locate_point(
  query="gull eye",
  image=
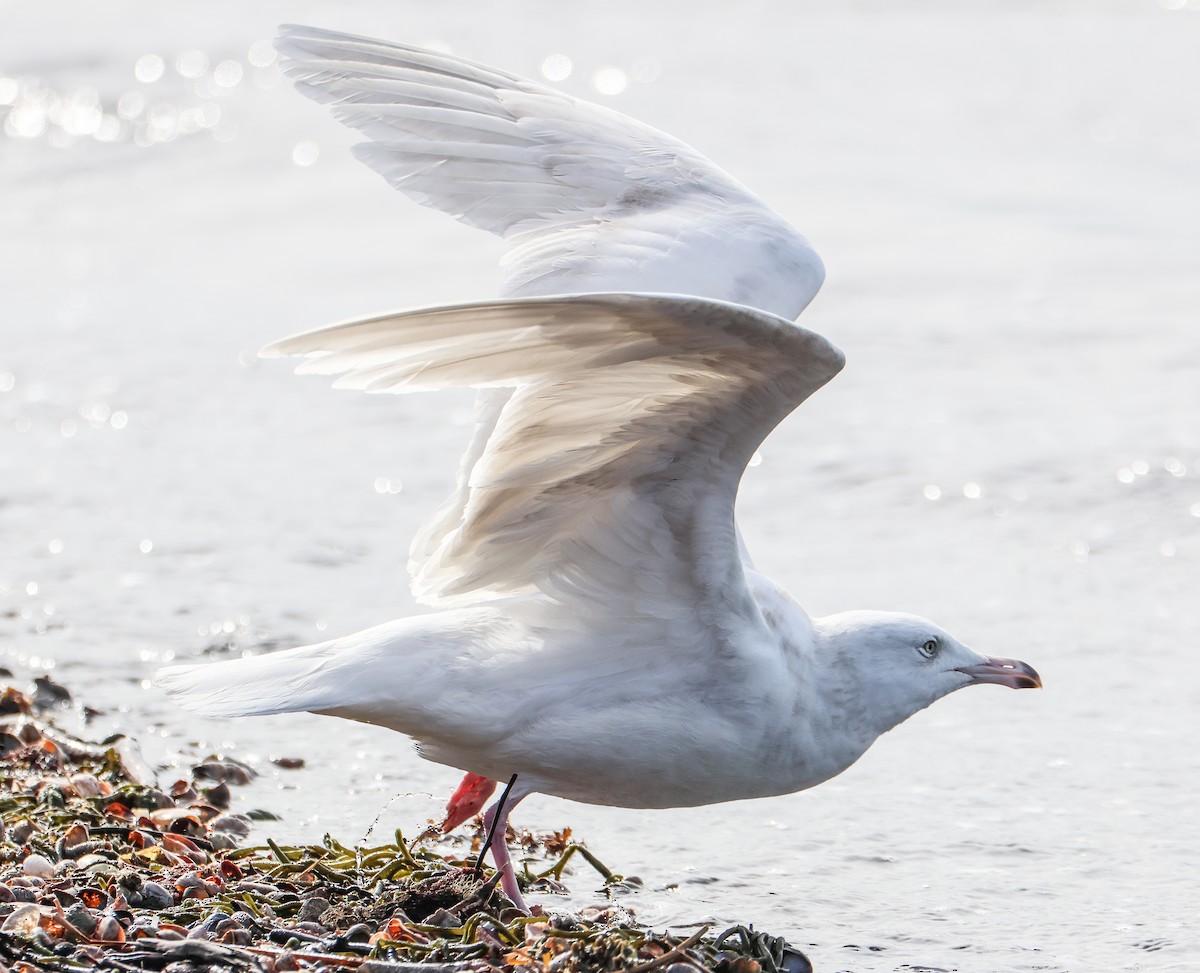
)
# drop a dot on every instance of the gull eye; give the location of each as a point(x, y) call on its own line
point(929, 648)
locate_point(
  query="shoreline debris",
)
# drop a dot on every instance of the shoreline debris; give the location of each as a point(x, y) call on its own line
point(100, 869)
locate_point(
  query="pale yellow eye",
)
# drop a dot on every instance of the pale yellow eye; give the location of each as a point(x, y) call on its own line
point(929, 649)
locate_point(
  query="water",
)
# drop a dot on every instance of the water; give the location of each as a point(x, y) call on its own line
point(1005, 196)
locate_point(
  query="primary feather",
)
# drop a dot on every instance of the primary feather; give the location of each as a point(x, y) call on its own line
point(586, 199)
point(624, 405)
point(593, 592)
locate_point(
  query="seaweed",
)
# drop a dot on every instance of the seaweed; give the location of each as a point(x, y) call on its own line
point(100, 869)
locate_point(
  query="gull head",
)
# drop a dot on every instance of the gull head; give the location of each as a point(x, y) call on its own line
point(894, 665)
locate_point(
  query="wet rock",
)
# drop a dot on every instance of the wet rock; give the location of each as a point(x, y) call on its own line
point(285, 962)
point(236, 936)
point(48, 694)
point(218, 796)
point(217, 769)
point(313, 908)
point(795, 961)
point(153, 896)
point(162, 801)
point(19, 833)
point(38, 865)
point(9, 743)
point(210, 924)
point(234, 824)
point(13, 702)
point(358, 933)
point(246, 920)
point(110, 930)
point(80, 916)
point(139, 870)
point(22, 921)
point(88, 785)
point(443, 918)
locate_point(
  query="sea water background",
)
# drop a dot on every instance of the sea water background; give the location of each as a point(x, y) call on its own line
point(1006, 197)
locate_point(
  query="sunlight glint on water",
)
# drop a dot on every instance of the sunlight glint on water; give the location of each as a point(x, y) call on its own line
point(1005, 199)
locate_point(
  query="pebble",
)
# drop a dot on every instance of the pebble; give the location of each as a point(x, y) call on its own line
point(37, 865)
point(118, 880)
point(80, 916)
point(235, 824)
point(22, 921)
point(174, 935)
point(219, 769)
point(218, 796)
point(237, 936)
point(20, 832)
point(313, 908)
point(87, 785)
point(154, 896)
point(110, 930)
point(48, 693)
point(246, 920)
point(444, 918)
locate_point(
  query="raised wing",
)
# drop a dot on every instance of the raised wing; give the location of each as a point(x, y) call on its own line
point(586, 198)
point(610, 472)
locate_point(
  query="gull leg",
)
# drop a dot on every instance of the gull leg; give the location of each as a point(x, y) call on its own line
point(497, 816)
point(467, 801)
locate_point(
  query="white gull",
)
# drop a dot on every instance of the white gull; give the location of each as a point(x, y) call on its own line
point(600, 631)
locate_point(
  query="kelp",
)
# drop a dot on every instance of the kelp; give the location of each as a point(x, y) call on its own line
point(100, 869)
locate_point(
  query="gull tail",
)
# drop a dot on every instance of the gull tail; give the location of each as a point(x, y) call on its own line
point(278, 682)
point(399, 675)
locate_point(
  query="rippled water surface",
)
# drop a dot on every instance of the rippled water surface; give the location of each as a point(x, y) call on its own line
point(1006, 199)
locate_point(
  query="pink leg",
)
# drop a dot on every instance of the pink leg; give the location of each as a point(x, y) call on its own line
point(467, 801)
point(500, 856)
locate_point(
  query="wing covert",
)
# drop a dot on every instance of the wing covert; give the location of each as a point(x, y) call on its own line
point(614, 462)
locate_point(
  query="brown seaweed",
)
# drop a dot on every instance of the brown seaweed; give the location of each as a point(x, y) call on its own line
point(100, 869)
